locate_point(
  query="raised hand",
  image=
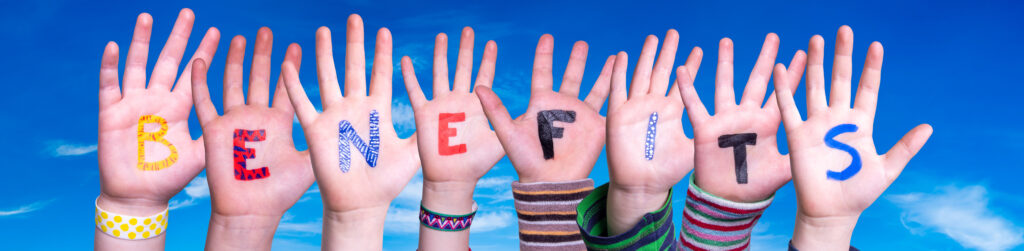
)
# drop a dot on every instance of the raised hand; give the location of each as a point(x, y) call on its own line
point(648, 152)
point(146, 154)
point(359, 161)
point(456, 144)
point(737, 157)
point(254, 171)
point(560, 137)
point(836, 169)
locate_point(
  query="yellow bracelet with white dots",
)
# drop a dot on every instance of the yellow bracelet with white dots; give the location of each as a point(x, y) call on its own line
point(130, 227)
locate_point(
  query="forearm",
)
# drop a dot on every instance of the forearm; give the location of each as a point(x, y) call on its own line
point(454, 198)
point(133, 207)
point(823, 233)
point(361, 229)
point(547, 214)
point(626, 206)
point(241, 232)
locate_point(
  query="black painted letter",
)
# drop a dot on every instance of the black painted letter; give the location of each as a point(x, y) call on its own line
point(547, 130)
point(739, 143)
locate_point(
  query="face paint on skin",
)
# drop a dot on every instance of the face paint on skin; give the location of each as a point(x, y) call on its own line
point(444, 133)
point(347, 135)
point(158, 137)
point(830, 141)
point(547, 131)
point(652, 131)
point(739, 143)
point(241, 154)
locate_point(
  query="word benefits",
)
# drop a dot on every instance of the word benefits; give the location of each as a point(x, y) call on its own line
point(547, 131)
point(830, 141)
point(444, 133)
point(652, 131)
point(158, 137)
point(347, 135)
point(242, 154)
point(739, 143)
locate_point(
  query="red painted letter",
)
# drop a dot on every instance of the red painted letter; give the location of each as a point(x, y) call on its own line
point(444, 133)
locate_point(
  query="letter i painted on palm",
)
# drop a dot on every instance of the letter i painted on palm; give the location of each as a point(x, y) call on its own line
point(652, 131)
point(830, 141)
point(445, 133)
point(347, 135)
point(242, 154)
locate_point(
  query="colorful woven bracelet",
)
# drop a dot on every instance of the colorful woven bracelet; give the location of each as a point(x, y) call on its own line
point(130, 227)
point(446, 222)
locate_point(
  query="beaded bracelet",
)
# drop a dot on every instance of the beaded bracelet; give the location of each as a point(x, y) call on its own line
point(446, 222)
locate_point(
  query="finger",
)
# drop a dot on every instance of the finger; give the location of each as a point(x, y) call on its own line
point(695, 108)
point(642, 74)
point(618, 82)
point(574, 70)
point(816, 102)
point(233, 75)
point(725, 96)
point(495, 111)
point(842, 69)
point(281, 100)
point(870, 78)
point(138, 52)
point(207, 48)
point(441, 88)
point(757, 84)
point(166, 69)
point(326, 73)
point(599, 93)
point(663, 68)
point(793, 74)
point(692, 66)
point(542, 62)
point(464, 65)
point(259, 75)
point(383, 69)
point(355, 58)
point(205, 110)
point(784, 96)
point(110, 92)
point(485, 76)
point(300, 102)
point(412, 86)
point(901, 153)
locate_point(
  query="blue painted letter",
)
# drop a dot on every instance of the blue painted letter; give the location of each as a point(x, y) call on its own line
point(652, 131)
point(348, 135)
point(830, 142)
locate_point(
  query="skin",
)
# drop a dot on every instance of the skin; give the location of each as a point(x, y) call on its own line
point(449, 180)
point(124, 188)
point(578, 150)
point(246, 212)
point(355, 202)
point(828, 209)
point(767, 169)
point(639, 186)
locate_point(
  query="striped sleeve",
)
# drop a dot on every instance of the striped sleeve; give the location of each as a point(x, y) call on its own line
point(714, 223)
point(655, 230)
point(547, 214)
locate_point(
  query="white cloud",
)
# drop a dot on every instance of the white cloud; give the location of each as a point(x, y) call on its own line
point(403, 117)
point(401, 220)
point(290, 244)
point(487, 221)
point(495, 182)
point(25, 209)
point(197, 189)
point(61, 149)
point(963, 214)
point(761, 239)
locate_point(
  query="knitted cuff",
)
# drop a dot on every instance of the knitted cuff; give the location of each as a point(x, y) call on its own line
point(547, 214)
point(653, 232)
point(714, 223)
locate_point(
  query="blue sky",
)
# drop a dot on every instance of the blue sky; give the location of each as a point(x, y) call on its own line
point(954, 65)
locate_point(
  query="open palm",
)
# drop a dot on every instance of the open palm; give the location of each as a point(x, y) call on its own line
point(574, 127)
point(149, 169)
point(828, 184)
point(276, 175)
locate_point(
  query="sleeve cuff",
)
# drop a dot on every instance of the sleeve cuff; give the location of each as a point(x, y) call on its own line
point(547, 214)
point(654, 231)
point(715, 223)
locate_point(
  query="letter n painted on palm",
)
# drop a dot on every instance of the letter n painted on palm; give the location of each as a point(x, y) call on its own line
point(348, 136)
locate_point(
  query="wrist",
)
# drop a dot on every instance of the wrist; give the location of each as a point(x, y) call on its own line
point(130, 206)
point(449, 197)
point(358, 229)
point(626, 206)
point(241, 232)
point(823, 233)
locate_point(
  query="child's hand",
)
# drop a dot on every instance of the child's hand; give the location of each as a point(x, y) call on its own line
point(648, 152)
point(736, 153)
point(255, 173)
point(836, 170)
point(560, 137)
point(359, 161)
